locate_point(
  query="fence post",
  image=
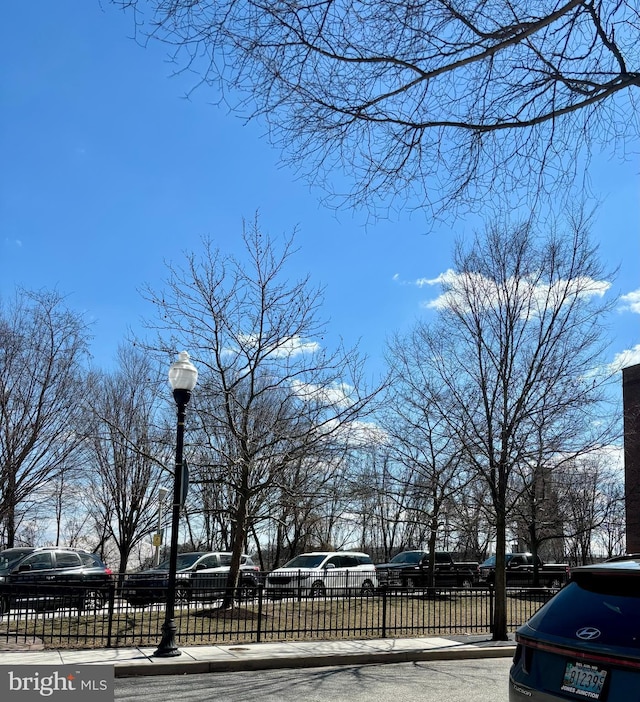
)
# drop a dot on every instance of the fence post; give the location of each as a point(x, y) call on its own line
point(259, 631)
point(491, 605)
point(111, 592)
point(384, 611)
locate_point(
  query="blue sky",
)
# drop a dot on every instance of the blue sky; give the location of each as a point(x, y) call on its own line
point(108, 172)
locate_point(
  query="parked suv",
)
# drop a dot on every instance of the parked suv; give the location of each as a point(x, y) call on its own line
point(585, 642)
point(200, 575)
point(315, 574)
point(47, 577)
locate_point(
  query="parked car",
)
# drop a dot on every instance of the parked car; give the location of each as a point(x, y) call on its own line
point(200, 575)
point(320, 572)
point(45, 578)
point(520, 571)
point(410, 569)
point(623, 557)
point(585, 642)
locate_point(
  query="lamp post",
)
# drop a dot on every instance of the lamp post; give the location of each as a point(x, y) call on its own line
point(162, 494)
point(183, 376)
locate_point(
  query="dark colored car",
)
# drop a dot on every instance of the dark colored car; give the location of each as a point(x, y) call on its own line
point(410, 569)
point(520, 571)
point(200, 575)
point(45, 578)
point(584, 644)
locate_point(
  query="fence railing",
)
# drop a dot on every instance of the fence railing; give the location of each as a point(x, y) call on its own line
point(100, 616)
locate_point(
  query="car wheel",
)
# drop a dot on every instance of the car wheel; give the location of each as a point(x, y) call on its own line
point(4, 605)
point(247, 591)
point(367, 589)
point(410, 584)
point(555, 584)
point(467, 583)
point(182, 595)
point(318, 589)
point(92, 600)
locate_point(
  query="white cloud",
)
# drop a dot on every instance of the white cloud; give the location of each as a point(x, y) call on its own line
point(337, 395)
point(296, 346)
point(293, 346)
point(363, 434)
point(613, 456)
point(367, 434)
point(486, 292)
point(631, 302)
point(358, 434)
point(446, 278)
point(626, 358)
point(423, 282)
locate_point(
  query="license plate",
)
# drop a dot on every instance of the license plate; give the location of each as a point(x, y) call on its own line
point(584, 680)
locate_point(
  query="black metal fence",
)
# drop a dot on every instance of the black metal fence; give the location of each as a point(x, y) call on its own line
point(102, 617)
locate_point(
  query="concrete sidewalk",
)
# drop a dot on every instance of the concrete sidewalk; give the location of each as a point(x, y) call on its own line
point(304, 654)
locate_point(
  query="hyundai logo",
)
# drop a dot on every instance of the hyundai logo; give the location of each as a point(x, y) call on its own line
point(588, 633)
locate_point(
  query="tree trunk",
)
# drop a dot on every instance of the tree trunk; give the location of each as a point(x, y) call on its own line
point(500, 582)
point(238, 540)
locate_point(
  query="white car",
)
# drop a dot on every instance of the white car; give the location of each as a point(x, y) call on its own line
point(324, 572)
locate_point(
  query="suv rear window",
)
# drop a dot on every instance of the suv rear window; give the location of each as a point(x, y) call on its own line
point(608, 603)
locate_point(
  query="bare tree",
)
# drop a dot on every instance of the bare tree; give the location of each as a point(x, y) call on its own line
point(519, 341)
point(127, 451)
point(420, 439)
point(452, 101)
point(392, 496)
point(43, 345)
point(588, 497)
point(611, 535)
point(467, 528)
point(269, 395)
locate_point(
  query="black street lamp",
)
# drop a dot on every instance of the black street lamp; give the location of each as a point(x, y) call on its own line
point(183, 376)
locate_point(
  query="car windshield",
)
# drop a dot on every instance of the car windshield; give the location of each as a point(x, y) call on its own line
point(489, 562)
point(408, 557)
point(608, 603)
point(185, 560)
point(306, 560)
point(10, 557)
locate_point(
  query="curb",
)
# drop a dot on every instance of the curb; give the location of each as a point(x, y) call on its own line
point(312, 661)
point(12, 642)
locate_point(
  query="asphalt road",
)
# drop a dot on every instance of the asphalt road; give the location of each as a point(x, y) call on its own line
point(483, 680)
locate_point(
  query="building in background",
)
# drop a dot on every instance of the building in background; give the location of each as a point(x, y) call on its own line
point(631, 409)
